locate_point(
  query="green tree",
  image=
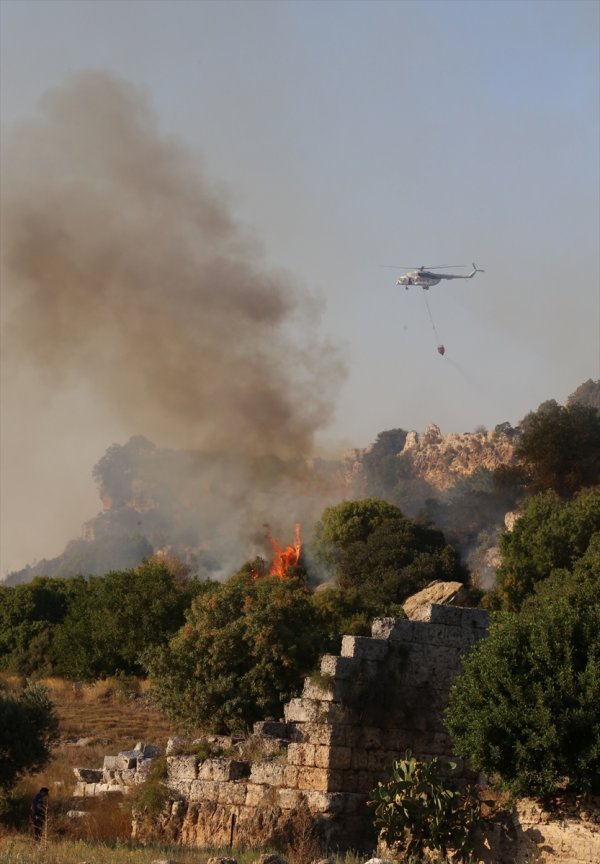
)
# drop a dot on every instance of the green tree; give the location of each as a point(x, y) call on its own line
point(550, 534)
point(117, 617)
point(244, 650)
point(370, 546)
point(560, 448)
point(525, 709)
point(29, 616)
point(27, 726)
point(381, 464)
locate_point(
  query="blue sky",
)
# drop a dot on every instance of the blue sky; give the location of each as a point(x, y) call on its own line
point(345, 135)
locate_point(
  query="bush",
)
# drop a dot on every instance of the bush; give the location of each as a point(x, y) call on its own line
point(525, 709)
point(27, 727)
point(244, 650)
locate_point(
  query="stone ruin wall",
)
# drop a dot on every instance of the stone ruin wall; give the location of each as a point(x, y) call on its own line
point(382, 695)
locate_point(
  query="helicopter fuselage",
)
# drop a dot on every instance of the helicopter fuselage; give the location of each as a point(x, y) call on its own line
point(426, 278)
point(419, 277)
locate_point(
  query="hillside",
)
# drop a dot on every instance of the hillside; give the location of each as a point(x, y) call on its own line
point(209, 512)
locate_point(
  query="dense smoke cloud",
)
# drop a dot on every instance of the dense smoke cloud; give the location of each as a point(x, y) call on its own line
point(124, 269)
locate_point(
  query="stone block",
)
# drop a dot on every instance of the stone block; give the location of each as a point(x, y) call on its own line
point(353, 802)
point(143, 769)
point(223, 769)
point(393, 629)
point(370, 737)
point(181, 789)
point(270, 773)
point(322, 756)
point(323, 734)
point(399, 739)
point(365, 781)
point(317, 692)
point(233, 793)
point(458, 616)
point(318, 779)
point(147, 751)
point(301, 754)
point(125, 778)
point(182, 767)
point(336, 713)
point(343, 668)
point(325, 802)
point(176, 742)
point(301, 711)
point(112, 763)
point(104, 788)
point(333, 757)
point(378, 760)
point(364, 648)
point(203, 790)
point(359, 759)
point(258, 795)
point(88, 775)
point(290, 776)
point(289, 799)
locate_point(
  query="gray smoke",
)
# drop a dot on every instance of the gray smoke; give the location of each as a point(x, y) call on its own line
point(124, 273)
point(123, 267)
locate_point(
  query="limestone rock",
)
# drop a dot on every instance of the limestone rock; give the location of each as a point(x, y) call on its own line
point(88, 775)
point(440, 593)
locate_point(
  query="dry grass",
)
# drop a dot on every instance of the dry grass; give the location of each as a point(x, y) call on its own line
point(19, 850)
point(110, 712)
point(94, 720)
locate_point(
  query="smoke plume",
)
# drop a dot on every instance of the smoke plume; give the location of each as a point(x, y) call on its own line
point(125, 269)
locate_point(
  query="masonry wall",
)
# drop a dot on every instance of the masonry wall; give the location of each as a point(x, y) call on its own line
point(382, 695)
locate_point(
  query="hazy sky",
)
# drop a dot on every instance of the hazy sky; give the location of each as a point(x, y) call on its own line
point(337, 136)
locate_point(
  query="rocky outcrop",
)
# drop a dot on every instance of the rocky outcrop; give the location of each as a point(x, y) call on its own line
point(440, 460)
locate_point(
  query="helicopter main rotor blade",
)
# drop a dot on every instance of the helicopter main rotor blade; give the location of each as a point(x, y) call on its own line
point(422, 266)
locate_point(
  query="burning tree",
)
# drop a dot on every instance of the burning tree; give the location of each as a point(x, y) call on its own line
point(283, 559)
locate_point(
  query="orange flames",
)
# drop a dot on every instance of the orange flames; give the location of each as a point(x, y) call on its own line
point(283, 559)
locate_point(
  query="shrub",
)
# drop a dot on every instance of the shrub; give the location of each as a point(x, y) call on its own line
point(242, 653)
point(27, 727)
point(525, 709)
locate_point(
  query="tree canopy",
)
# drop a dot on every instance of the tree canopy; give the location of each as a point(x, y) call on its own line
point(550, 534)
point(90, 628)
point(369, 545)
point(244, 650)
point(560, 448)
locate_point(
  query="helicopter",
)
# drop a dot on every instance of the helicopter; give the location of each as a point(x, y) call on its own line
point(425, 278)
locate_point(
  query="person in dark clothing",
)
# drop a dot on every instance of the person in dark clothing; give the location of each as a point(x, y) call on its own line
point(39, 812)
